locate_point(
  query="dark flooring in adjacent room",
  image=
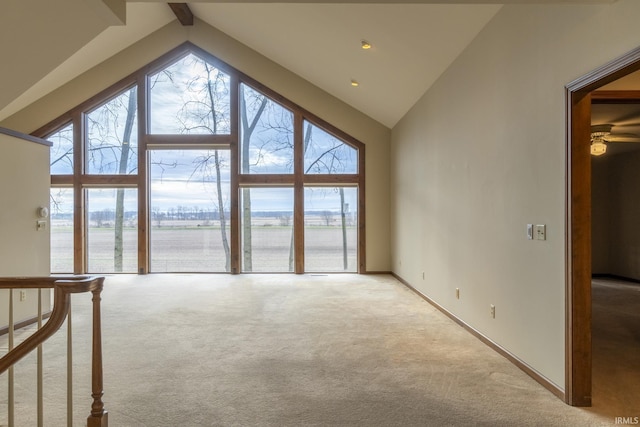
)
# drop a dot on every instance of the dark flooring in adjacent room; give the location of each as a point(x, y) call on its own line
point(616, 346)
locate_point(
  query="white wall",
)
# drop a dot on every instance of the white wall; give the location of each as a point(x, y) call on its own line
point(24, 186)
point(482, 154)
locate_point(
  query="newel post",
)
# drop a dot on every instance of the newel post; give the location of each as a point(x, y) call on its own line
point(98, 417)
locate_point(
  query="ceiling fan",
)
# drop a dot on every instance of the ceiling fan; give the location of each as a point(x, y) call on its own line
point(601, 135)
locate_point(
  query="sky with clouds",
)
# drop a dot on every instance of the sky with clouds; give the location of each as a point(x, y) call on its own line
point(181, 103)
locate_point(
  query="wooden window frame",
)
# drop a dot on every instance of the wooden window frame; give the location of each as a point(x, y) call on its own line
point(80, 180)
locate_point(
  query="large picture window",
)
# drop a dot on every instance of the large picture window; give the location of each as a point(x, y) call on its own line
point(331, 233)
point(112, 232)
point(267, 227)
point(190, 211)
point(191, 166)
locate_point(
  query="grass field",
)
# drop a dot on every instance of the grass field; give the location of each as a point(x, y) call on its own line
point(186, 246)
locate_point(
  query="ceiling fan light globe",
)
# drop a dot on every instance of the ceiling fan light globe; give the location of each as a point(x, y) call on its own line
point(598, 148)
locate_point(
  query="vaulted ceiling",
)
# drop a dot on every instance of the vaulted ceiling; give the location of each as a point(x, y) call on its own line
point(47, 43)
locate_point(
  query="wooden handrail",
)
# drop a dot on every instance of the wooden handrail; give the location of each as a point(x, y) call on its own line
point(63, 287)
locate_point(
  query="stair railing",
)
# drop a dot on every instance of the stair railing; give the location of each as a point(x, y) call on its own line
point(63, 288)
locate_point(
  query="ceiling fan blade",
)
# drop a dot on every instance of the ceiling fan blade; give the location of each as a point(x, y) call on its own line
point(622, 137)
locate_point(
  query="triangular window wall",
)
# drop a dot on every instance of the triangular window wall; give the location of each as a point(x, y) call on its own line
point(190, 165)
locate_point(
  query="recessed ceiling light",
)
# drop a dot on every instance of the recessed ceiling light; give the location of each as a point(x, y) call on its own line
point(366, 45)
point(354, 83)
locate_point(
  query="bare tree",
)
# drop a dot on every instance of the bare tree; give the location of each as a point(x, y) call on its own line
point(203, 112)
point(333, 157)
point(122, 169)
point(266, 132)
point(285, 220)
point(205, 103)
point(110, 151)
point(327, 217)
point(158, 216)
point(257, 105)
point(61, 160)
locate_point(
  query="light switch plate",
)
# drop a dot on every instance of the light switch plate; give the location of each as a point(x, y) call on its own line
point(529, 231)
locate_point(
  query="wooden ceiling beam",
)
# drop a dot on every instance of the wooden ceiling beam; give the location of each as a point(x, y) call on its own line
point(182, 12)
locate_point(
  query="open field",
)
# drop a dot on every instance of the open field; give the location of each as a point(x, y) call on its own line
point(186, 246)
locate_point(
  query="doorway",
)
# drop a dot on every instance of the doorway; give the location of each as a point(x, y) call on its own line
point(578, 381)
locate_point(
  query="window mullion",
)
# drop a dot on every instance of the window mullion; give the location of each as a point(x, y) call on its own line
point(362, 247)
point(234, 156)
point(143, 175)
point(298, 196)
point(79, 199)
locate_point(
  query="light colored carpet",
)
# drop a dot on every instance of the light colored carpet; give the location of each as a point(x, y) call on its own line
point(286, 350)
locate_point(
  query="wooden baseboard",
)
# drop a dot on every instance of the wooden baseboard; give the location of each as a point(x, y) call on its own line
point(5, 330)
point(553, 388)
point(378, 272)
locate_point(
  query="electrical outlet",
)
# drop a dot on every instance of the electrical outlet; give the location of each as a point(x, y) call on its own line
point(23, 295)
point(493, 311)
point(541, 232)
point(457, 293)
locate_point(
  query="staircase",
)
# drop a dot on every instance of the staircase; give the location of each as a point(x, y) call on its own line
point(63, 288)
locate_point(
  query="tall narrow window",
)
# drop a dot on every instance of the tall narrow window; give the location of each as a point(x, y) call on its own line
point(61, 201)
point(61, 220)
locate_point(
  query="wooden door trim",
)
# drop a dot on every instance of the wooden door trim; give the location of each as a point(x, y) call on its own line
point(578, 224)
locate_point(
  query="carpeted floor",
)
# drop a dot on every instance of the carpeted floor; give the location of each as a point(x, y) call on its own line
point(286, 350)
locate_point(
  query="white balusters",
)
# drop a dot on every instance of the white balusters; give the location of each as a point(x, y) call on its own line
point(69, 370)
point(11, 398)
point(40, 373)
